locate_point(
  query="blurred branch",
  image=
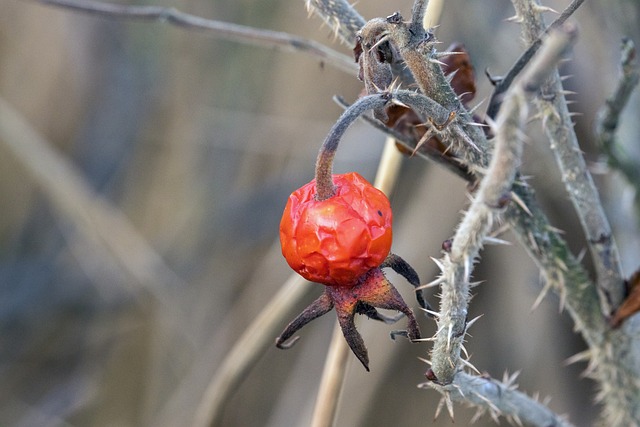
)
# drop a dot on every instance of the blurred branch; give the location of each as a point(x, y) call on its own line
point(502, 84)
point(333, 374)
point(225, 30)
point(90, 213)
point(251, 345)
point(340, 16)
point(609, 117)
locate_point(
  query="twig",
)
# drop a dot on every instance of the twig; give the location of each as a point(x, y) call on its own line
point(418, 13)
point(498, 399)
point(410, 143)
point(333, 374)
point(505, 82)
point(491, 198)
point(225, 30)
point(340, 16)
point(609, 117)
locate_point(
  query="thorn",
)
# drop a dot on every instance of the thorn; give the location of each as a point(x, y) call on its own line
point(472, 321)
point(475, 108)
point(449, 406)
point(397, 102)
point(449, 337)
point(541, 9)
point(427, 135)
point(541, 295)
point(492, 124)
point(441, 54)
point(520, 203)
point(517, 419)
point(555, 229)
point(435, 61)
point(515, 19)
point(482, 125)
point(493, 409)
point(431, 313)
point(583, 356)
point(478, 283)
point(438, 263)
point(581, 255)
point(450, 76)
point(430, 339)
point(510, 380)
point(439, 408)
point(567, 92)
point(384, 37)
point(428, 362)
point(470, 366)
point(395, 85)
point(432, 284)
point(464, 350)
point(568, 76)
point(495, 241)
point(480, 411)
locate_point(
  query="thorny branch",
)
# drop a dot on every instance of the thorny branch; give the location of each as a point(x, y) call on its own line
point(582, 191)
point(492, 197)
point(559, 267)
point(497, 398)
point(503, 84)
point(234, 32)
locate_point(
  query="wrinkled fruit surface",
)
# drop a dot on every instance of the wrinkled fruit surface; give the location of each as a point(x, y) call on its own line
point(337, 240)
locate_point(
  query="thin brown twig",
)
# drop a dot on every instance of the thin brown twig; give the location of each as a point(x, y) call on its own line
point(225, 30)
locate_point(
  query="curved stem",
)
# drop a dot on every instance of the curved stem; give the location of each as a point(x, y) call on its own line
point(324, 164)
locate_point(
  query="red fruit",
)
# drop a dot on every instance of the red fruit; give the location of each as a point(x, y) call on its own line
point(337, 240)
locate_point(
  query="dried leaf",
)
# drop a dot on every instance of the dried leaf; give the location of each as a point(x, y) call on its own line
point(464, 81)
point(631, 304)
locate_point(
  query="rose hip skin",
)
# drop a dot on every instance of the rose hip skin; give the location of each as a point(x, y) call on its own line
point(337, 240)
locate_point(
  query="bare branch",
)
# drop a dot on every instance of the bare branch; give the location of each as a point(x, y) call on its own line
point(251, 345)
point(340, 16)
point(499, 399)
point(614, 364)
point(225, 30)
point(577, 179)
point(491, 198)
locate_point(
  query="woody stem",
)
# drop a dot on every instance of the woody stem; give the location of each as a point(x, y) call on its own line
point(324, 164)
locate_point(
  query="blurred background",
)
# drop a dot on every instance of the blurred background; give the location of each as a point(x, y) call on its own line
point(134, 254)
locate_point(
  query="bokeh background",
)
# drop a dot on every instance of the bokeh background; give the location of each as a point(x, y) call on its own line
point(185, 146)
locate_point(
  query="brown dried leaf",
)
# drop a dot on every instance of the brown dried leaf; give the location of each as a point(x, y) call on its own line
point(464, 82)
